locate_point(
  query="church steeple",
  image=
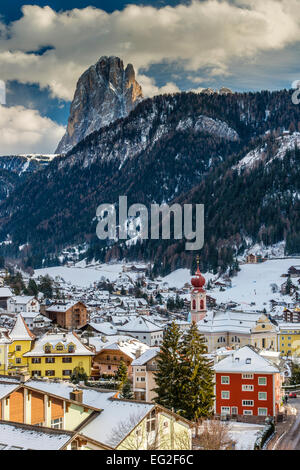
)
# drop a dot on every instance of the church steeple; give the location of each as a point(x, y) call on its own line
point(198, 296)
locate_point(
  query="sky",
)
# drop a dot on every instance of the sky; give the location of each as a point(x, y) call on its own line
point(174, 45)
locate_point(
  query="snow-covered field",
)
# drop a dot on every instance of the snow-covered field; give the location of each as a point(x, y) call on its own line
point(253, 283)
point(245, 435)
point(84, 276)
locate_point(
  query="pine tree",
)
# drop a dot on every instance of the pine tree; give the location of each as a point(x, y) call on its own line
point(122, 374)
point(167, 377)
point(197, 377)
point(126, 391)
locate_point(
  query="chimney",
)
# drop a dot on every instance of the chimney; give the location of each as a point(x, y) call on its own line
point(76, 395)
point(138, 353)
point(24, 378)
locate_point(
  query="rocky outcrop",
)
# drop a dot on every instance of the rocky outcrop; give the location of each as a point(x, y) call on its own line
point(105, 92)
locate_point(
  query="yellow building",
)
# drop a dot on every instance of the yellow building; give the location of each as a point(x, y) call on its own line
point(4, 351)
point(21, 342)
point(56, 355)
point(289, 339)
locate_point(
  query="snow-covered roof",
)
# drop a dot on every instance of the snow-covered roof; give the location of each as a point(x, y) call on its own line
point(146, 356)
point(116, 421)
point(101, 342)
point(129, 347)
point(7, 388)
point(140, 324)
point(245, 360)
point(61, 307)
point(18, 437)
point(22, 299)
point(94, 398)
point(56, 338)
point(5, 292)
point(20, 331)
point(104, 328)
point(228, 321)
point(289, 326)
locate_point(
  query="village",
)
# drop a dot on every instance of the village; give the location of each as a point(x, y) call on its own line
point(79, 359)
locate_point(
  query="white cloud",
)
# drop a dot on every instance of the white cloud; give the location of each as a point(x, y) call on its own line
point(150, 89)
point(26, 131)
point(209, 33)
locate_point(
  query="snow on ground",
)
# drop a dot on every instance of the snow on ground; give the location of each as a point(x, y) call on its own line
point(244, 434)
point(83, 276)
point(178, 278)
point(253, 283)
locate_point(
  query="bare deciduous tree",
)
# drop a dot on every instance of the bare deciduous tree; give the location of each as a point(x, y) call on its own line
point(215, 435)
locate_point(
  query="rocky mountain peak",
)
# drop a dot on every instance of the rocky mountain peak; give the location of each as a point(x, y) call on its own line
point(104, 93)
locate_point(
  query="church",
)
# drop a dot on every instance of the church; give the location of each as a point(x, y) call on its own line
point(229, 328)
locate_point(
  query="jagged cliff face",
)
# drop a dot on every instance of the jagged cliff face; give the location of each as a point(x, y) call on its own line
point(105, 92)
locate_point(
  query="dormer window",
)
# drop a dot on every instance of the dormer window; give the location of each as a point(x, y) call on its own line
point(248, 360)
point(71, 348)
point(47, 349)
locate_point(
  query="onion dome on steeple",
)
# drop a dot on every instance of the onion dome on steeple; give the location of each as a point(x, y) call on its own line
point(198, 281)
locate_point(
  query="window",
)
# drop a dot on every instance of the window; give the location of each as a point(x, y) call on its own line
point(36, 373)
point(262, 395)
point(225, 410)
point(18, 348)
point(36, 360)
point(67, 360)
point(221, 339)
point(248, 412)
point(262, 380)
point(142, 379)
point(71, 348)
point(50, 373)
point(50, 360)
point(225, 395)
point(66, 372)
point(247, 376)
point(247, 388)
point(234, 410)
point(262, 411)
point(225, 380)
point(59, 348)
point(151, 421)
point(57, 423)
point(247, 402)
point(18, 360)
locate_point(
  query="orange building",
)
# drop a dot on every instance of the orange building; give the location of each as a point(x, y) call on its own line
point(107, 361)
point(69, 316)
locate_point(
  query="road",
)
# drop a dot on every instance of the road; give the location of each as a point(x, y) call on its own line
point(290, 439)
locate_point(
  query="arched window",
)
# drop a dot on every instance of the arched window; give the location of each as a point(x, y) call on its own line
point(194, 304)
point(221, 339)
point(202, 304)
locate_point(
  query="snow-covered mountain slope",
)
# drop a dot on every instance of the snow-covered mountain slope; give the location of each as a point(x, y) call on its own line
point(266, 154)
point(15, 168)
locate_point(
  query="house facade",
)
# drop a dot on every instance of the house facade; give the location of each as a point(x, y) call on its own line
point(108, 359)
point(85, 419)
point(70, 316)
point(23, 304)
point(143, 369)
point(247, 385)
point(57, 354)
